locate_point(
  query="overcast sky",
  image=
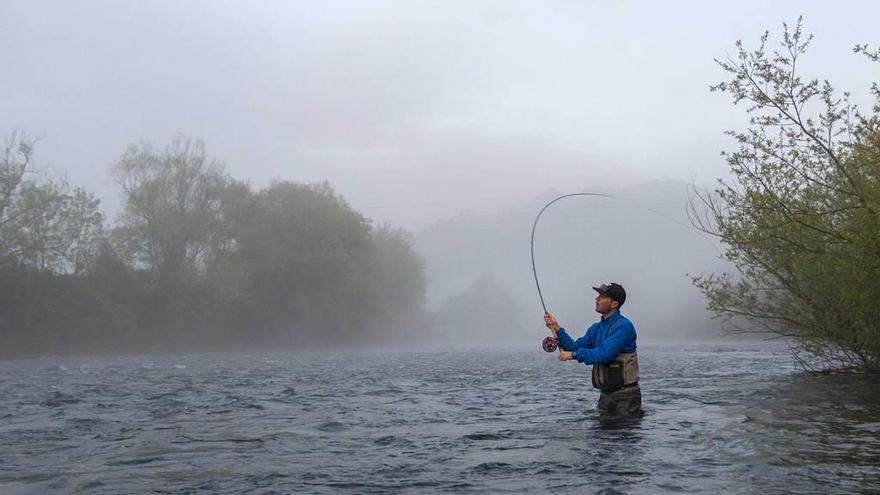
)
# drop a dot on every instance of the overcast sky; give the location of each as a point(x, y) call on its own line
point(413, 110)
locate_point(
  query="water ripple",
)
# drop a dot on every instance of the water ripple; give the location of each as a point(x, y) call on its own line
point(729, 419)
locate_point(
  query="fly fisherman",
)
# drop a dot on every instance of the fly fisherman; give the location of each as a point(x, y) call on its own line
point(610, 346)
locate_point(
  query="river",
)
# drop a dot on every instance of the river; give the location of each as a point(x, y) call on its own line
point(725, 418)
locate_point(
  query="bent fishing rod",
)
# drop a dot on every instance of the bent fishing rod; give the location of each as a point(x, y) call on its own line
point(550, 344)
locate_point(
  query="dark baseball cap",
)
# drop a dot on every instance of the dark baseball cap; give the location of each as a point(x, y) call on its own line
point(612, 290)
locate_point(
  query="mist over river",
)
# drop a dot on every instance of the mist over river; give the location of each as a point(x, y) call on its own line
point(726, 418)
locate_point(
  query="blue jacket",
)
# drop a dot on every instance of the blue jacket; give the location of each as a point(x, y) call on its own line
point(603, 341)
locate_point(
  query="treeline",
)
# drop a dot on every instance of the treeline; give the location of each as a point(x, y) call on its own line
point(196, 261)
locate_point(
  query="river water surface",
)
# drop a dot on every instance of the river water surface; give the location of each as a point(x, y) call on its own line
point(719, 419)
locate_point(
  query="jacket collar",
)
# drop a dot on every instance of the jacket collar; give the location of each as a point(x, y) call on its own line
point(610, 317)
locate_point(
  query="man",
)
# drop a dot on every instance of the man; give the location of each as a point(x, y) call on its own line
point(610, 346)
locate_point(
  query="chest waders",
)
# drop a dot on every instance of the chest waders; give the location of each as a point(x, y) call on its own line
point(620, 373)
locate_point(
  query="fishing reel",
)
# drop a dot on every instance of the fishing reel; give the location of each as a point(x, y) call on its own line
point(550, 344)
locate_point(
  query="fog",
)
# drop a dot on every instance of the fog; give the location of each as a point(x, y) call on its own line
point(453, 120)
point(414, 110)
point(640, 238)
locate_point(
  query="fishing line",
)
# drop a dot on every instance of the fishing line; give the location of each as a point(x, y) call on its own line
point(550, 344)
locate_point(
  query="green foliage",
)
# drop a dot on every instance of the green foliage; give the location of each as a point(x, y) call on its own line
point(398, 272)
point(800, 219)
point(306, 267)
point(44, 224)
point(198, 260)
point(172, 207)
point(303, 253)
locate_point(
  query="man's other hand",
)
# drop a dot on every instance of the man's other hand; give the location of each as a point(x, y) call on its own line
point(566, 356)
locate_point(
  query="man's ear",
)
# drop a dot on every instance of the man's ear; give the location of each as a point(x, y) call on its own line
point(614, 304)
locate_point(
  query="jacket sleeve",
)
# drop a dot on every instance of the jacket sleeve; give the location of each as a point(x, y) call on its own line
point(571, 345)
point(610, 348)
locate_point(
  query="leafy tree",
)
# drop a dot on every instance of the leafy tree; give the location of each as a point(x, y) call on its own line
point(55, 228)
point(800, 217)
point(172, 207)
point(49, 237)
point(170, 222)
point(198, 261)
point(44, 224)
point(305, 254)
point(14, 164)
point(398, 283)
point(300, 266)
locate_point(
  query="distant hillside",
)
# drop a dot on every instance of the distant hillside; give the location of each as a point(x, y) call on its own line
point(641, 238)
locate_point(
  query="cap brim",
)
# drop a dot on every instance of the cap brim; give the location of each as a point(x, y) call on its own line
point(600, 291)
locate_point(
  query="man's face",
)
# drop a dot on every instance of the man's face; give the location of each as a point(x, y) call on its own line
point(604, 304)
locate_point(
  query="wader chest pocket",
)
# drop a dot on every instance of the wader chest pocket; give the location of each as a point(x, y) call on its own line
point(608, 377)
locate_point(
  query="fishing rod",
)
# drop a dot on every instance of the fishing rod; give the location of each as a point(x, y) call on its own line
point(550, 344)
